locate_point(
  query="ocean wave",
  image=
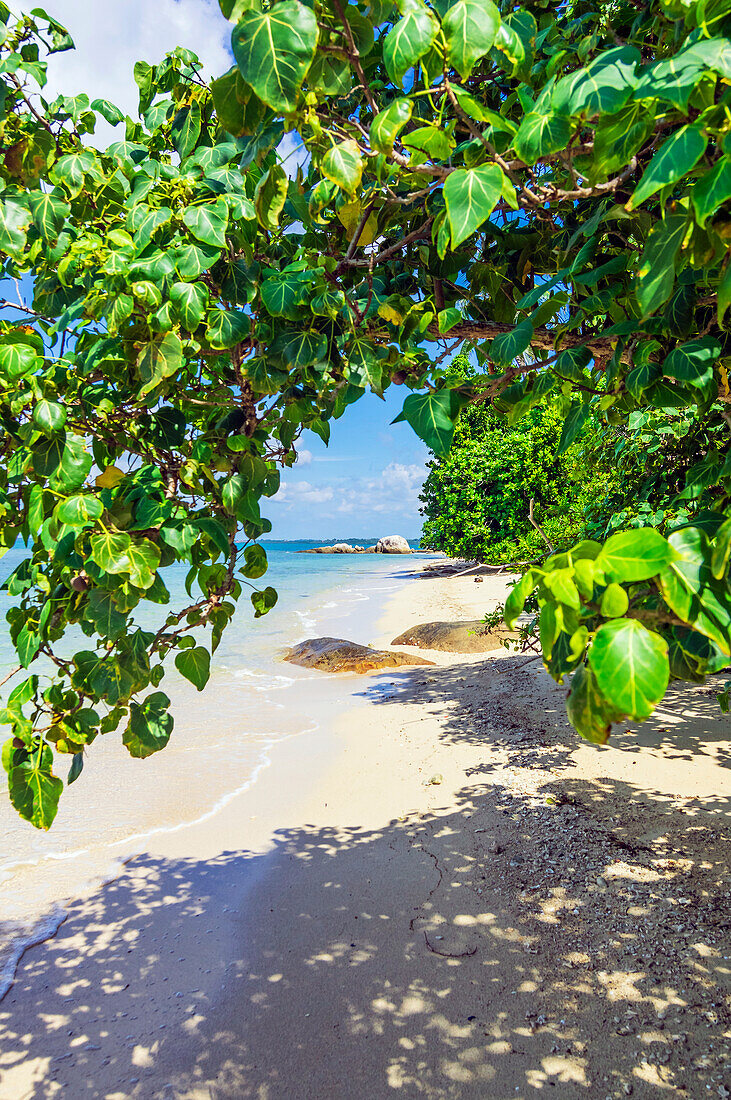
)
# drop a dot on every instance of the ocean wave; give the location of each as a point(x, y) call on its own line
point(44, 930)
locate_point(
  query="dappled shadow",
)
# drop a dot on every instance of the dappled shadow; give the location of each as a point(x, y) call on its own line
point(505, 947)
point(687, 724)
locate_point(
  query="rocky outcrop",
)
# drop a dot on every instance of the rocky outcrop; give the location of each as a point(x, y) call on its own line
point(338, 548)
point(461, 637)
point(393, 544)
point(390, 544)
point(338, 655)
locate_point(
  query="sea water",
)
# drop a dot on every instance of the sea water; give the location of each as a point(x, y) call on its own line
point(222, 736)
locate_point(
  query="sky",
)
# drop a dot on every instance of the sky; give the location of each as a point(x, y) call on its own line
point(366, 483)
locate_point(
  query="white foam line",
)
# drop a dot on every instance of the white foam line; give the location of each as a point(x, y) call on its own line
point(44, 930)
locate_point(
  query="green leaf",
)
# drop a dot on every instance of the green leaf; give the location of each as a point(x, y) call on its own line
point(255, 562)
point(300, 349)
point(691, 591)
point(14, 222)
point(588, 711)
point(692, 363)
point(144, 558)
point(721, 550)
point(110, 551)
point(429, 143)
point(144, 223)
point(195, 665)
point(618, 137)
point(328, 303)
point(226, 327)
point(27, 645)
point(388, 124)
point(79, 511)
point(614, 601)
point(49, 416)
point(433, 417)
point(577, 416)
point(712, 190)
point(518, 594)
point(208, 223)
point(470, 27)
point(49, 213)
point(724, 293)
point(673, 160)
point(671, 80)
point(541, 135)
point(270, 196)
point(33, 788)
point(17, 360)
point(263, 601)
point(506, 347)
point(159, 359)
point(113, 116)
point(149, 726)
point(77, 766)
point(656, 273)
point(448, 318)
point(343, 165)
point(239, 501)
point(635, 555)
point(600, 89)
point(190, 301)
point(471, 195)
point(104, 613)
point(230, 94)
point(283, 294)
point(192, 260)
point(186, 128)
point(274, 50)
point(216, 532)
point(408, 41)
point(71, 169)
point(630, 664)
point(63, 458)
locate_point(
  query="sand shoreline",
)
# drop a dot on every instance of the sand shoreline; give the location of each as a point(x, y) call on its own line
point(443, 895)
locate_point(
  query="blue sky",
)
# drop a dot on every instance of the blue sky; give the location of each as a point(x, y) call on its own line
point(367, 481)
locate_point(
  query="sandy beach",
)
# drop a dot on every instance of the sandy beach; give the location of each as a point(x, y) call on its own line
point(444, 894)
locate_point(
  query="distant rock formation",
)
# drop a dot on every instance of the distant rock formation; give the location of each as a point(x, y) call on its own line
point(393, 544)
point(390, 544)
point(461, 637)
point(338, 548)
point(338, 655)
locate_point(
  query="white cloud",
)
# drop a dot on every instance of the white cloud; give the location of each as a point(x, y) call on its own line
point(394, 491)
point(302, 492)
point(110, 35)
point(304, 458)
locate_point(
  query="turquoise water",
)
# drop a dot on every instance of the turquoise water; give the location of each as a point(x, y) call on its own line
point(221, 737)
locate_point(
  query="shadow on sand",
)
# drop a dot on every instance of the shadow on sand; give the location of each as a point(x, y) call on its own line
point(565, 938)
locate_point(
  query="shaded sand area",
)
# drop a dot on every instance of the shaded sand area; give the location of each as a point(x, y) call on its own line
point(444, 896)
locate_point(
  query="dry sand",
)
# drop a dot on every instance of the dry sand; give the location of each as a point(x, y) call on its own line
point(446, 896)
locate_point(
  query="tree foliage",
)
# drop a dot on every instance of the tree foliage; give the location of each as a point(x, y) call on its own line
point(477, 498)
point(546, 184)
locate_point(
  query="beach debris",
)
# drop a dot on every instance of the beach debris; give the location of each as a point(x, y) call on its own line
point(436, 779)
point(470, 636)
point(339, 655)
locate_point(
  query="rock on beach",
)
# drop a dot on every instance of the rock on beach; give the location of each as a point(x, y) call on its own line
point(393, 544)
point(471, 636)
point(339, 655)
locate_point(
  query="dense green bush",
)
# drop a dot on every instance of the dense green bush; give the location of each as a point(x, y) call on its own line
point(477, 497)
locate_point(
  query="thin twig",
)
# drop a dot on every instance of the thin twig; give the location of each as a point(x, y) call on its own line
point(538, 527)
